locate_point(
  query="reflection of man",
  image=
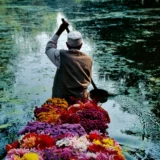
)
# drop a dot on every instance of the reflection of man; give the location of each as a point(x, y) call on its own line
point(73, 66)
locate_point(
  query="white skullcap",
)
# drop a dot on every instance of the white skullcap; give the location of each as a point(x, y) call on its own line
point(74, 39)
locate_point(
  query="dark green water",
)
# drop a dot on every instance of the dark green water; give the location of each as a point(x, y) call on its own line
point(123, 39)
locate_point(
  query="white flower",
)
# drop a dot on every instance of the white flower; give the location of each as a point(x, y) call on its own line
point(80, 143)
point(90, 155)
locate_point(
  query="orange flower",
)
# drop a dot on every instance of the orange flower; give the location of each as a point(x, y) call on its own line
point(28, 141)
point(50, 116)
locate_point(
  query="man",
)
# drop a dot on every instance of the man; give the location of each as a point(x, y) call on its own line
point(74, 67)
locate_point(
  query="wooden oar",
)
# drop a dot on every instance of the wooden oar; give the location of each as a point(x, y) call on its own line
point(98, 95)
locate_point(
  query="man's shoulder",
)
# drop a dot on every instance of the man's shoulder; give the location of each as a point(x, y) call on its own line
point(88, 56)
point(63, 51)
point(78, 52)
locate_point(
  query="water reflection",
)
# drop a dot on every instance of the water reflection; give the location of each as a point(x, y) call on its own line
point(23, 66)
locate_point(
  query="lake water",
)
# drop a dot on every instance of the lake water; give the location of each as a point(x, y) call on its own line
point(123, 39)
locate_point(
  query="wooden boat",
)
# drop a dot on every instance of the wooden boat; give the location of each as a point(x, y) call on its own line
point(75, 130)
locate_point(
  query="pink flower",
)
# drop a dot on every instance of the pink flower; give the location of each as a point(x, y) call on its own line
point(19, 152)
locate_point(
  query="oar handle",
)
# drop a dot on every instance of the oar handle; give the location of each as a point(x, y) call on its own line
point(93, 84)
point(67, 29)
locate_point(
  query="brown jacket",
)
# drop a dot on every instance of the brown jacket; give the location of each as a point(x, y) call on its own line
point(73, 76)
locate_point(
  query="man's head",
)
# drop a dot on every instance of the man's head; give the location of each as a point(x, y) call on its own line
point(74, 40)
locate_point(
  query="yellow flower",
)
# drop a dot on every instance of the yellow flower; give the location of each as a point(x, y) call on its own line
point(16, 157)
point(60, 102)
point(30, 156)
point(108, 141)
point(97, 142)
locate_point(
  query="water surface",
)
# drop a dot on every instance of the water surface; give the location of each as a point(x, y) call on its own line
point(123, 39)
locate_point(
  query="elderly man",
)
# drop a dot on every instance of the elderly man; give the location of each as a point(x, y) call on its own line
point(74, 67)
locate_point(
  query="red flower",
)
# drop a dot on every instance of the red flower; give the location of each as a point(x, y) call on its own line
point(73, 109)
point(96, 148)
point(67, 117)
point(32, 140)
point(119, 157)
point(13, 145)
point(44, 141)
point(93, 136)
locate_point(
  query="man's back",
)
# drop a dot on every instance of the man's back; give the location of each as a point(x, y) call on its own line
point(74, 74)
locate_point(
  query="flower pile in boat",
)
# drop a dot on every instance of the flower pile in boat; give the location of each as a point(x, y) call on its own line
point(65, 131)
